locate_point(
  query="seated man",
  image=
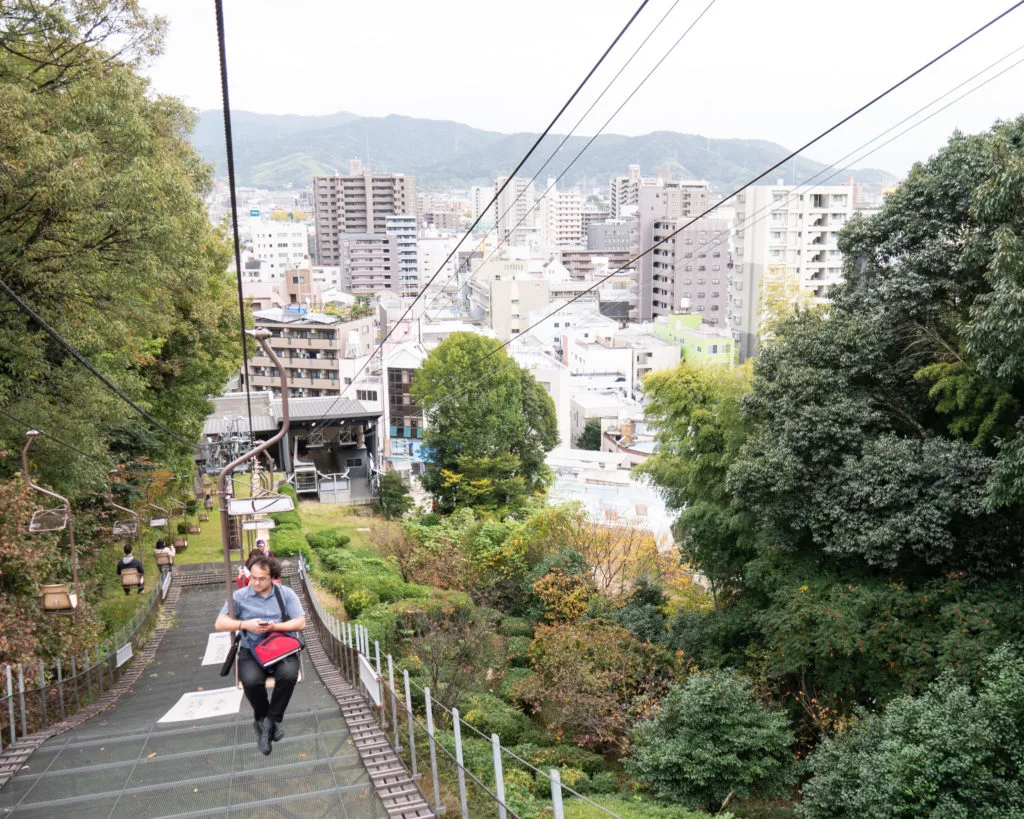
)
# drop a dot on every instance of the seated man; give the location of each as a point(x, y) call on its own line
point(257, 613)
point(130, 561)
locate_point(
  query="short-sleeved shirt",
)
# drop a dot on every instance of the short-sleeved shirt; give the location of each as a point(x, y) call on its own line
point(251, 606)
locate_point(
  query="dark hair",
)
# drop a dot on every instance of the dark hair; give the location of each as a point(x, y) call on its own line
point(268, 563)
point(159, 544)
point(127, 548)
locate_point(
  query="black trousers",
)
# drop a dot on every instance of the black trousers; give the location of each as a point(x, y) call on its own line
point(253, 678)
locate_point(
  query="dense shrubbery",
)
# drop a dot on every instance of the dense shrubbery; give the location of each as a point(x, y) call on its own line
point(490, 715)
point(327, 540)
point(711, 737)
point(949, 752)
point(288, 541)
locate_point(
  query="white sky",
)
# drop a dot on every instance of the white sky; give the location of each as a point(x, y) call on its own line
point(781, 71)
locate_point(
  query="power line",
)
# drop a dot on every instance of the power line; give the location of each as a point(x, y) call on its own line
point(751, 220)
point(29, 426)
point(229, 143)
point(565, 139)
point(85, 363)
point(600, 130)
point(761, 175)
point(494, 199)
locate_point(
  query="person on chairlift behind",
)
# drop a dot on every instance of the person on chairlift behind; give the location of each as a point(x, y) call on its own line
point(130, 561)
point(257, 614)
point(261, 549)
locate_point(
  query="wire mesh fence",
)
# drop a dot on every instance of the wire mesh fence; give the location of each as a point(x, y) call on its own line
point(460, 770)
point(45, 693)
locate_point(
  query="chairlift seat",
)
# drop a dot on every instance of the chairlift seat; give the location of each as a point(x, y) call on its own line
point(194, 529)
point(270, 682)
point(203, 517)
point(163, 557)
point(125, 528)
point(49, 520)
point(177, 511)
point(158, 523)
point(57, 598)
point(130, 578)
point(181, 543)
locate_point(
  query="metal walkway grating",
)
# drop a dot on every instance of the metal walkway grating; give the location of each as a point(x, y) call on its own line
point(123, 763)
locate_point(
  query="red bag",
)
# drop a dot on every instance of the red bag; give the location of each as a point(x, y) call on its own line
point(280, 644)
point(275, 647)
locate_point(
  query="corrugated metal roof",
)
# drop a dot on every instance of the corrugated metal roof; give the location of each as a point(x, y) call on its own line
point(219, 426)
point(313, 409)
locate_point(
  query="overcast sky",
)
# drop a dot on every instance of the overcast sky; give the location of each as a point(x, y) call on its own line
point(781, 71)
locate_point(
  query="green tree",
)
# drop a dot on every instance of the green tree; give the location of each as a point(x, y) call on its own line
point(697, 414)
point(949, 752)
point(591, 435)
point(486, 438)
point(103, 231)
point(393, 499)
point(710, 738)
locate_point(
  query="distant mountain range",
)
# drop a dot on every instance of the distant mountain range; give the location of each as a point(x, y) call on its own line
point(287, 151)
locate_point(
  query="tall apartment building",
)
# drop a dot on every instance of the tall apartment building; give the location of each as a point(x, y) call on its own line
point(402, 230)
point(624, 191)
point(776, 226)
point(358, 203)
point(514, 208)
point(479, 197)
point(690, 271)
point(369, 263)
point(560, 218)
point(662, 203)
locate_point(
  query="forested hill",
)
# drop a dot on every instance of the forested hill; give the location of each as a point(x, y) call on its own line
point(277, 151)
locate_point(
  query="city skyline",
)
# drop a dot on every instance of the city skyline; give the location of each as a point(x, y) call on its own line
point(783, 76)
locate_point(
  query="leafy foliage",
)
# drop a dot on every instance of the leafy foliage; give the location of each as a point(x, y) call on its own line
point(711, 737)
point(486, 440)
point(393, 499)
point(591, 435)
point(104, 233)
point(949, 752)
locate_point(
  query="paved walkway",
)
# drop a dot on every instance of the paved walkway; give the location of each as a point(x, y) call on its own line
point(123, 763)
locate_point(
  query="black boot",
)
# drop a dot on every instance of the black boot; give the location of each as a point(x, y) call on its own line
point(263, 743)
point(278, 734)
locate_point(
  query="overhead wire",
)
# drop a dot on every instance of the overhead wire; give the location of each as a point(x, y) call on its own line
point(599, 131)
point(757, 178)
point(45, 434)
point(229, 146)
point(494, 199)
point(829, 170)
point(86, 363)
point(565, 139)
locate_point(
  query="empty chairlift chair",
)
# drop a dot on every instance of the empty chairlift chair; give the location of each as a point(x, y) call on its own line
point(56, 598)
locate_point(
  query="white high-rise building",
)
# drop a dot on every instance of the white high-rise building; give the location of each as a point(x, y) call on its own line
point(514, 212)
point(560, 218)
point(279, 246)
point(784, 227)
point(402, 229)
point(479, 197)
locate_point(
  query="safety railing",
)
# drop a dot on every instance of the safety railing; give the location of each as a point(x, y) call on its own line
point(427, 735)
point(48, 692)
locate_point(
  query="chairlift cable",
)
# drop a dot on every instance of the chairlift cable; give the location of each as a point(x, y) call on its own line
point(85, 362)
point(229, 145)
point(760, 176)
point(494, 199)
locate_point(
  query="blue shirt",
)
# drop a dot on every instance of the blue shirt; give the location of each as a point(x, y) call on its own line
point(251, 606)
